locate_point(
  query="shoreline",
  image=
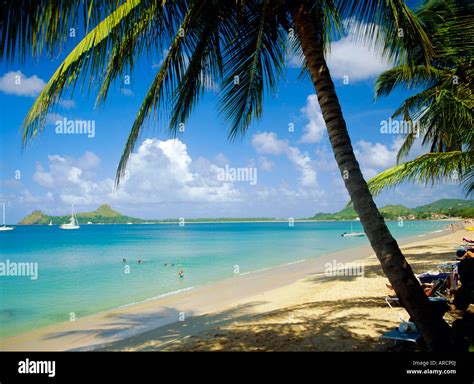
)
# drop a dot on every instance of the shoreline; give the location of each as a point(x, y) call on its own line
point(454, 219)
point(111, 326)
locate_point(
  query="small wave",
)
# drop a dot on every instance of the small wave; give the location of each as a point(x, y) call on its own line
point(266, 269)
point(157, 297)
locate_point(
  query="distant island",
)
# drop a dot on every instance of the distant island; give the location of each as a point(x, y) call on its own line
point(440, 209)
point(106, 215)
point(103, 215)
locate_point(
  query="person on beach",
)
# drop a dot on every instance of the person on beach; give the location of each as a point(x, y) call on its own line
point(465, 295)
point(464, 254)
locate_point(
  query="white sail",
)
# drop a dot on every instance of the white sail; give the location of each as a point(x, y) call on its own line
point(73, 223)
point(352, 233)
point(4, 226)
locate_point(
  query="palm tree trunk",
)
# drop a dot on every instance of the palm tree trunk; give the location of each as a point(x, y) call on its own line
point(434, 330)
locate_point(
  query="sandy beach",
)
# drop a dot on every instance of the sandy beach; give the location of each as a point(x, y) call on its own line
point(295, 307)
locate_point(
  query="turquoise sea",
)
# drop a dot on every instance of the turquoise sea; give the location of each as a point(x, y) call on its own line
point(82, 272)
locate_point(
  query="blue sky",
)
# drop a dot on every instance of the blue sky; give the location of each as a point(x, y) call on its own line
point(296, 171)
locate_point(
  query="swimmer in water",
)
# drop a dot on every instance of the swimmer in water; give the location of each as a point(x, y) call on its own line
point(140, 261)
point(124, 260)
point(181, 273)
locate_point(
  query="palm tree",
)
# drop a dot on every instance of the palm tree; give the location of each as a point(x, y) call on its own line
point(241, 45)
point(444, 103)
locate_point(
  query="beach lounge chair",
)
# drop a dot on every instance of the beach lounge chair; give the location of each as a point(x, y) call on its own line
point(396, 335)
point(448, 266)
point(394, 300)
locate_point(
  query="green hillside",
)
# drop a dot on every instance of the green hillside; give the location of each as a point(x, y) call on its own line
point(104, 214)
point(445, 204)
point(437, 209)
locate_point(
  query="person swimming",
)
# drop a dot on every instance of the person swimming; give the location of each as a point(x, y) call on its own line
point(140, 261)
point(181, 273)
point(124, 260)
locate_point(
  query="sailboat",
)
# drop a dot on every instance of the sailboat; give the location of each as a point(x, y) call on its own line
point(50, 223)
point(73, 223)
point(352, 233)
point(4, 227)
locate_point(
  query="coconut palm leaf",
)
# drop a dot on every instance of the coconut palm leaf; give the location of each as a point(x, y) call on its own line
point(34, 27)
point(430, 168)
point(88, 57)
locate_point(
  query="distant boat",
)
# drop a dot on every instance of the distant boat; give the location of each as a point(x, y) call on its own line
point(73, 223)
point(352, 233)
point(4, 227)
point(129, 223)
point(50, 223)
point(89, 222)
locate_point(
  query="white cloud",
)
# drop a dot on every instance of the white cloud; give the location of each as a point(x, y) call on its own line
point(268, 143)
point(265, 164)
point(356, 58)
point(375, 157)
point(350, 56)
point(303, 162)
point(16, 83)
point(221, 160)
point(158, 172)
point(313, 131)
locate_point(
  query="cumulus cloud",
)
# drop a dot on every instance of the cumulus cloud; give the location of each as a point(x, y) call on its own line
point(265, 163)
point(158, 172)
point(350, 56)
point(375, 157)
point(268, 143)
point(314, 130)
point(16, 83)
point(355, 58)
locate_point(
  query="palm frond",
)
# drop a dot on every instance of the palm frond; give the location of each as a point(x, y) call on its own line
point(34, 27)
point(410, 77)
point(391, 26)
point(430, 168)
point(164, 83)
point(254, 62)
point(88, 55)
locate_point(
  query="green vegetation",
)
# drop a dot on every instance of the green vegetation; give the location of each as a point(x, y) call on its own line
point(439, 209)
point(104, 214)
point(442, 104)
